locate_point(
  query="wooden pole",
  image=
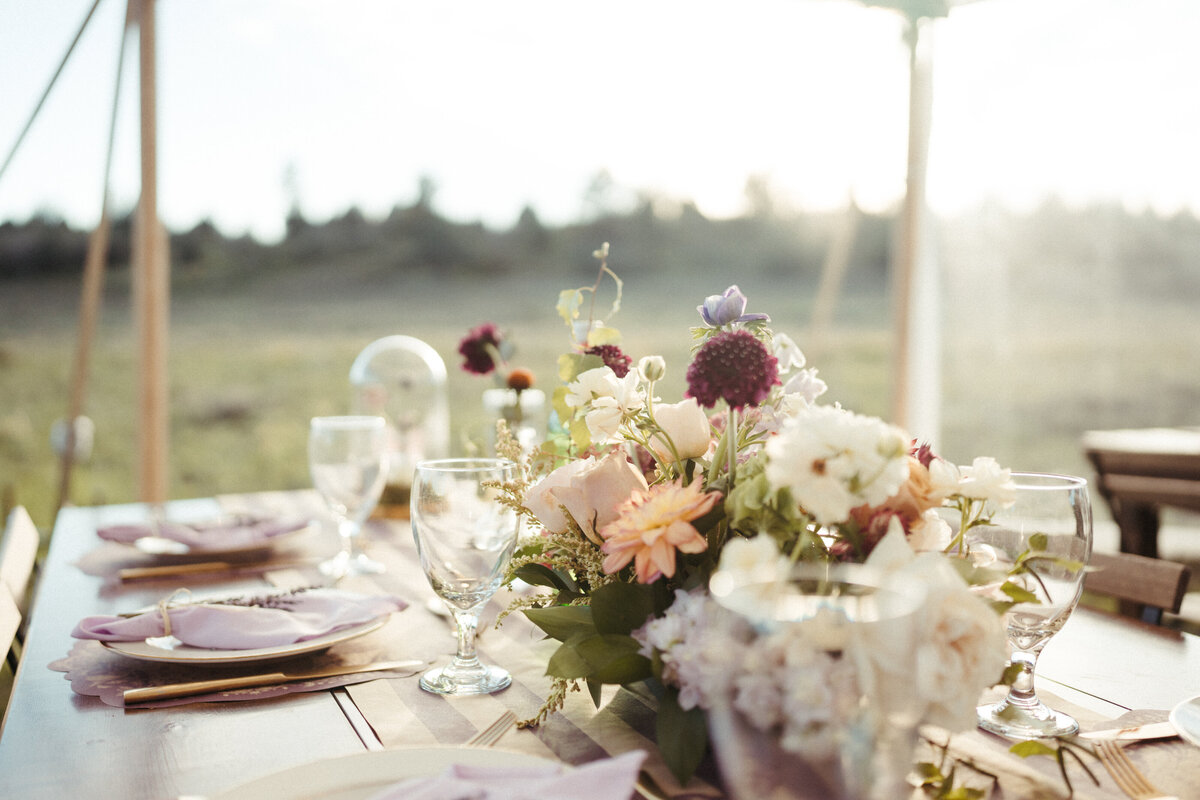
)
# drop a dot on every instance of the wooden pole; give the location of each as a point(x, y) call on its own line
point(911, 373)
point(151, 284)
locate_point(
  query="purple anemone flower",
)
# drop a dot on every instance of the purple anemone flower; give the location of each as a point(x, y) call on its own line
point(719, 310)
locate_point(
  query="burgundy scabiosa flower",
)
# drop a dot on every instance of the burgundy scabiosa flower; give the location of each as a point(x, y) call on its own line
point(479, 347)
point(613, 358)
point(733, 366)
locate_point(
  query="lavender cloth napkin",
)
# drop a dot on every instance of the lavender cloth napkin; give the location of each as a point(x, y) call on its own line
point(293, 617)
point(608, 779)
point(212, 535)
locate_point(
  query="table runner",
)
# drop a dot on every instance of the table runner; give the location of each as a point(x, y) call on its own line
point(401, 714)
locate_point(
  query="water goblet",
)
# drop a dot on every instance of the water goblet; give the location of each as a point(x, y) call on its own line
point(1046, 535)
point(347, 458)
point(465, 538)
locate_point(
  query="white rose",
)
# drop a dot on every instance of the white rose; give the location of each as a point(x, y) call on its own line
point(687, 426)
point(961, 646)
point(964, 647)
point(986, 480)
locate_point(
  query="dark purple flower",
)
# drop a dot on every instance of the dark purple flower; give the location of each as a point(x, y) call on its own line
point(923, 453)
point(613, 358)
point(479, 348)
point(719, 310)
point(732, 366)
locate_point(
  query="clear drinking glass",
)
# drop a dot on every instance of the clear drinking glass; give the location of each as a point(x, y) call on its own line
point(832, 649)
point(348, 461)
point(465, 538)
point(1049, 530)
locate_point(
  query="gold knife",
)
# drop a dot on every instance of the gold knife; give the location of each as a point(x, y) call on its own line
point(150, 693)
point(1151, 730)
point(201, 567)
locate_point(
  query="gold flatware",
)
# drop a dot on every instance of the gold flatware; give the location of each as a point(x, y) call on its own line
point(1128, 777)
point(492, 733)
point(1137, 733)
point(202, 567)
point(151, 693)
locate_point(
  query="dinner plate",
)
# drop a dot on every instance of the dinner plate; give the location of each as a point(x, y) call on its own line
point(170, 650)
point(363, 774)
point(1186, 719)
point(160, 546)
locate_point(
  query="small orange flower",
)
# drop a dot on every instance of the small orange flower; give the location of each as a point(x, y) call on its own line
point(654, 524)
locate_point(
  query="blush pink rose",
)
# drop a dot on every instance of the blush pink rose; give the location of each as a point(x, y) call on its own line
point(591, 489)
point(687, 426)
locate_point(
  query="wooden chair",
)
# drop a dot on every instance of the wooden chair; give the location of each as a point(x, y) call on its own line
point(18, 555)
point(1144, 587)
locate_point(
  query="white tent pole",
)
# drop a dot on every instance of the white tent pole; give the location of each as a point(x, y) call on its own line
point(915, 358)
point(151, 284)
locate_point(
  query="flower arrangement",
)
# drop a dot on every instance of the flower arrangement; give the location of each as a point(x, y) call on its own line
point(638, 503)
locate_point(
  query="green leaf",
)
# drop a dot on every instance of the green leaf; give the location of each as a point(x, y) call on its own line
point(594, 689)
point(567, 662)
point(622, 608)
point(581, 437)
point(569, 301)
point(682, 736)
point(602, 334)
point(562, 622)
point(604, 658)
point(1033, 747)
point(1010, 674)
point(613, 658)
point(1017, 593)
point(541, 575)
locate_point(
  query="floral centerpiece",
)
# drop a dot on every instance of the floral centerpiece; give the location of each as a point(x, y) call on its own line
point(639, 502)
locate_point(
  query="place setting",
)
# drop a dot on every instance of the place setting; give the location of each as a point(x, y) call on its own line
point(187, 649)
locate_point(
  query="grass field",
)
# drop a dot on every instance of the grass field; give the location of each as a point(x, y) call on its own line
point(1022, 377)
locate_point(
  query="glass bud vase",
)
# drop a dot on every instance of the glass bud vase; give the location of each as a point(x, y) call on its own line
point(524, 411)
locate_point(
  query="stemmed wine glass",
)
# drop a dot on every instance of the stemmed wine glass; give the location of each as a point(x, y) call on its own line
point(465, 538)
point(348, 458)
point(1047, 536)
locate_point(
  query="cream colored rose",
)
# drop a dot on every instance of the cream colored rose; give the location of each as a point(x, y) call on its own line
point(961, 644)
point(591, 490)
point(963, 649)
point(686, 424)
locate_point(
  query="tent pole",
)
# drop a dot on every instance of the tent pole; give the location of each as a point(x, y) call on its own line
point(152, 278)
point(910, 281)
point(93, 283)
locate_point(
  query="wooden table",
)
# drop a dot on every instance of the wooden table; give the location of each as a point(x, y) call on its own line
point(59, 744)
point(1140, 471)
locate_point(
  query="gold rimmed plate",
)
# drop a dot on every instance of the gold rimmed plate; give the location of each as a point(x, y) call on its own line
point(169, 650)
point(362, 775)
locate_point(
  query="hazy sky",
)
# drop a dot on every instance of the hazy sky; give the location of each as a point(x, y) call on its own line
point(523, 101)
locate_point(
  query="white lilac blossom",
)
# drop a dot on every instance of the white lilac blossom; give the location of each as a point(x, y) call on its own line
point(834, 460)
point(728, 308)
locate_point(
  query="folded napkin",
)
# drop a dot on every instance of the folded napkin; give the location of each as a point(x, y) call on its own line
point(608, 779)
point(235, 532)
point(282, 619)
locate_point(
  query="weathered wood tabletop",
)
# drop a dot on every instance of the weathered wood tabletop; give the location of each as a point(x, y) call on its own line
point(57, 743)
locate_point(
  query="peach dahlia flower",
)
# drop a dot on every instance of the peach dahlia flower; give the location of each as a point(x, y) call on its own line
point(654, 524)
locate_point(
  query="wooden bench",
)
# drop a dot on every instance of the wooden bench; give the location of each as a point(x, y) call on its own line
point(1140, 471)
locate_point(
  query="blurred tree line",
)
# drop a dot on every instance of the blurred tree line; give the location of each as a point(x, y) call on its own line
point(1158, 253)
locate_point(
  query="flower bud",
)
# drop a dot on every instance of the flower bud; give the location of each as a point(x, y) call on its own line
point(652, 368)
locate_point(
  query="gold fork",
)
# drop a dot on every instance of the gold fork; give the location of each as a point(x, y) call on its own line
point(492, 733)
point(1128, 777)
